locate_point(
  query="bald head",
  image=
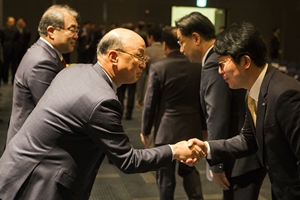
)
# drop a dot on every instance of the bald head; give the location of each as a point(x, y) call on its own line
point(120, 38)
point(121, 54)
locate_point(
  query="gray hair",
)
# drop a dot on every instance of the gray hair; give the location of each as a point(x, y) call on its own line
point(54, 16)
point(110, 41)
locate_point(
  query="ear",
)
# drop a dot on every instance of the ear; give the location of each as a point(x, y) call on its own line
point(50, 31)
point(164, 46)
point(196, 37)
point(113, 56)
point(246, 61)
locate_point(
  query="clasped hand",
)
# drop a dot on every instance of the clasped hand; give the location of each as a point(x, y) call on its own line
point(190, 152)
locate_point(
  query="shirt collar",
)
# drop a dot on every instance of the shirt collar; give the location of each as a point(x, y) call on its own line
point(58, 53)
point(254, 91)
point(205, 55)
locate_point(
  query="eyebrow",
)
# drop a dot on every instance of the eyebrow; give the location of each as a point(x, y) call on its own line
point(141, 50)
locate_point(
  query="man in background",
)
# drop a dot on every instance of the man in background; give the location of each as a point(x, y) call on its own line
point(154, 52)
point(58, 29)
point(9, 38)
point(172, 106)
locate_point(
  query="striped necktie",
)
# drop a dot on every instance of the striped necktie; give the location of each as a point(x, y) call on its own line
point(251, 105)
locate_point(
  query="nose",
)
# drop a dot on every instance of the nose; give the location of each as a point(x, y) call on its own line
point(181, 49)
point(75, 36)
point(143, 65)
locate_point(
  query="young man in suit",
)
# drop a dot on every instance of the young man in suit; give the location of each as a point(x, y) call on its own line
point(271, 128)
point(224, 109)
point(58, 29)
point(76, 123)
point(172, 106)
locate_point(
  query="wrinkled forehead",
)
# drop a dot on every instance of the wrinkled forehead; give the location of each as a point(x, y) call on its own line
point(136, 44)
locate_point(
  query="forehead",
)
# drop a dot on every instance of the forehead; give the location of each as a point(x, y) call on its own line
point(137, 45)
point(179, 33)
point(221, 57)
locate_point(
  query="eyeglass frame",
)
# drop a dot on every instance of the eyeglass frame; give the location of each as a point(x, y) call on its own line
point(141, 59)
point(182, 41)
point(75, 31)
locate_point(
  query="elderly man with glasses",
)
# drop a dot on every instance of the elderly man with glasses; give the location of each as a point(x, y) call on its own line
point(76, 123)
point(58, 30)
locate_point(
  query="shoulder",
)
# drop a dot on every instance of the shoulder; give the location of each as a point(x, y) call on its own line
point(211, 62)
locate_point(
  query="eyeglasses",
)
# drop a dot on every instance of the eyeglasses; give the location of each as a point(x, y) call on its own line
point(141, 59)
point(222, 64)
point(72, 30)
point(182, 41)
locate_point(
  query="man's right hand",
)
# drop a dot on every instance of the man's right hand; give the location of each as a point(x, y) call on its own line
point(184, 153)
point(199, 143)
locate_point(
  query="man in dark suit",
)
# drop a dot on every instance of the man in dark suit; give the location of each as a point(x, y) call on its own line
point(154, 53)
point(224, 109)
point(58, 30)
point(58, 150)
point(172, 106)
point(85, 43)
point(271, 127)
point(8, 37)
point(22, 43)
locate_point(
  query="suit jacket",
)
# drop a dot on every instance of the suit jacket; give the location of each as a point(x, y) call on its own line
point(225, 111)
point(172, 101)
point(155, 52)
point(37, 69)
point(277, 134)
point(8, 39)
point(57, 152)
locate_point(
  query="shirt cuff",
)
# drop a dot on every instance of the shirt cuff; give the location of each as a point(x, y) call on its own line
point(172, 152)
point(208, 156)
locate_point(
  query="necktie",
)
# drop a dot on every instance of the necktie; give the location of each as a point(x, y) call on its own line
point(251, 106)
point(64, 63)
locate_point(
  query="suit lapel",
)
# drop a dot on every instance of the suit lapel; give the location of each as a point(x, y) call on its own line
point(261, 110)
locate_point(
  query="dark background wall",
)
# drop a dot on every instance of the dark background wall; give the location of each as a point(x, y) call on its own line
point(265, 14)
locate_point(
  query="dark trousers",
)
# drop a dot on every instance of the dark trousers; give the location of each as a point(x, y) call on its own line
point(165, 178)
point(246, 186)
point(9, 61)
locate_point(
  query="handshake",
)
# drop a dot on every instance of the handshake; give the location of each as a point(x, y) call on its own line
point(188, 152)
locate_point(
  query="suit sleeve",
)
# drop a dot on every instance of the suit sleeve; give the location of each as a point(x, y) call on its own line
point(41, 77)
point(288, 114)
point(151, 100)
point(236, 147)
point(106, 130)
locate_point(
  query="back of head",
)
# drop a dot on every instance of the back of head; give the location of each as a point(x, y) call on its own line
point(196, 22)
point(169, 36)
point(242, 39)
point(155, 32)
point(141, 25)
point(54, 16)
